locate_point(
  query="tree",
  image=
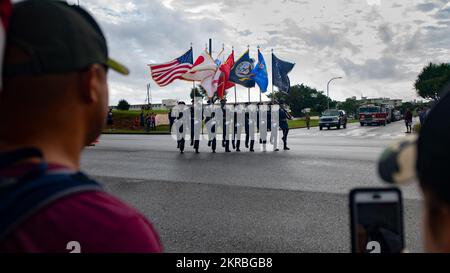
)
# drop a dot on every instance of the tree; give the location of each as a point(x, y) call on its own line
point(123, 105)
point(350, 106)
point(302, 96)
point(431, 81)
point(199, 91)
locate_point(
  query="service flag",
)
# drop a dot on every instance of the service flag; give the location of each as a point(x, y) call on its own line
point(242, 70)
point(203, 68)
point(224, 82)
point(280, 70)
point(259, 73)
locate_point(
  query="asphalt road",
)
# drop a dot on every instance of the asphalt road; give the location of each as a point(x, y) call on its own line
point(293, 201)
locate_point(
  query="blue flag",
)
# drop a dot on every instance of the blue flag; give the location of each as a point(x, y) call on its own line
point(242, 70)
point(259, 73)
point(280, 70)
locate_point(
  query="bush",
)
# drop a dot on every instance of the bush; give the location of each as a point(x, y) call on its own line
point(123, 105)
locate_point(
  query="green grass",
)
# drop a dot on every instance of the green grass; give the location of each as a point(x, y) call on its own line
point(135, 113)
point(301, 123)
point(162, 129)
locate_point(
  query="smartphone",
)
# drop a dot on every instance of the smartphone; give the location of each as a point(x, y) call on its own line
point(376, 217)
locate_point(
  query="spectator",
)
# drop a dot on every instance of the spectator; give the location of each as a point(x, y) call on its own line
point(425, 158)
point(308, 121)
point(148, 121)
point(408, 121)
point(142, 119)
point(153, 121)
point(52, 206)
point(110, 120)
point(136, 123)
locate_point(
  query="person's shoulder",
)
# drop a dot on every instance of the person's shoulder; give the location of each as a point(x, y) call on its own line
point(105, 223)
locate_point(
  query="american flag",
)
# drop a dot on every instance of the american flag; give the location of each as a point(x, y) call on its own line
point(164, 74)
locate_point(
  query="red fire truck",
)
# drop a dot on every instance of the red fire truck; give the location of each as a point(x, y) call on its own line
point(373, 114)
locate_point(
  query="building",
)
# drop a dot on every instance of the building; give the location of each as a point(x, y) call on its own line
point(137, 107)
point(167, 104)
point(393, 102)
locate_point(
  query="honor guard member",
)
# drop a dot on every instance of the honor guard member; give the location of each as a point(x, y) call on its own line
point(252, 112)
point(274, 125)
point(284, 117)
point(225, 141)
point(247, 133)
point(180, 143)
point(194, 142)
point(192, 122)
point(262, 125)
point(237, 129)
point(212, 141)
point(269, 117)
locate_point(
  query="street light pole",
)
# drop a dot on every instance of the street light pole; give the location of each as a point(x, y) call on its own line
point(328, 90)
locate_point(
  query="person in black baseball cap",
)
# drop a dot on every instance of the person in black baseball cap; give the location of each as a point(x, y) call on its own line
point(54, 103)
point(426, 158)
point(56, 38)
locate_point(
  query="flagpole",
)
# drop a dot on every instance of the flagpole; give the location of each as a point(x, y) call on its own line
point(193, 82)
point(260, 91)
point(273, 95)
point(235, 95)
point(248, 49)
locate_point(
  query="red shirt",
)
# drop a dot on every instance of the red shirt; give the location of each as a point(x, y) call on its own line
point(96, 220)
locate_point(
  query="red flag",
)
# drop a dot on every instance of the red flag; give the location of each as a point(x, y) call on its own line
point(224, 82)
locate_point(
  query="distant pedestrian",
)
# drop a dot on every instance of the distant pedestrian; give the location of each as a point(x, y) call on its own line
point(422, 115)
point(148, 122)
point(308, 121)
point(142, 119)
point(136, 123)
point(408, 121)
point(153, 121)
point(110, 120)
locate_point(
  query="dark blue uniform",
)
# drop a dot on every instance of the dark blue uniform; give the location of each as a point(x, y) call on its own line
point(284, 116)
point(195, 143)
point(225, 142)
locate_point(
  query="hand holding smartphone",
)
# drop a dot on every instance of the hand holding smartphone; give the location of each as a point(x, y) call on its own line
point(376, 220)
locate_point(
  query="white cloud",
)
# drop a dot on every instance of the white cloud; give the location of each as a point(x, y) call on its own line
point(377, 46)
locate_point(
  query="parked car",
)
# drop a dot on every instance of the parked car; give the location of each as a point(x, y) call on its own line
point(397, 115)
point(333, 118)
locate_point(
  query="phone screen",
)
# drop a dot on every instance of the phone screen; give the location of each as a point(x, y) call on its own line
point(377, 222)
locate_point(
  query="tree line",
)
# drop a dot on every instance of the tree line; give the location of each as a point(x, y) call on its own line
point(431, 83)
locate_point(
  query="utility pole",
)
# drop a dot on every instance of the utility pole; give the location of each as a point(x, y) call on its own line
point(328, 93)
point(149, 94)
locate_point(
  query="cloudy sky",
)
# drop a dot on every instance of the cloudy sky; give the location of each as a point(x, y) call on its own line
point(378, 46)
